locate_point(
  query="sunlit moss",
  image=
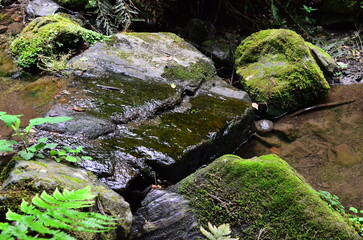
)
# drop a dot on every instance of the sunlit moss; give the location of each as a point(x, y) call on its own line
point(48, 37)
point(262, 193)
point(277, 67)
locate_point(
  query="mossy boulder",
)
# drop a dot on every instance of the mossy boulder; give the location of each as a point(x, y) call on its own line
point(277, 67)
point(261, 196)
point(46, 38)
point(163, 57)
point(24, 179)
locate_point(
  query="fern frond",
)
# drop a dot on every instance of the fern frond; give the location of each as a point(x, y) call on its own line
point(112, 17)
point(49, 213)
point(275, 12)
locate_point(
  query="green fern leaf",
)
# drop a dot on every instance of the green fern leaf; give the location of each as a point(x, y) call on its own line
point(48, 214)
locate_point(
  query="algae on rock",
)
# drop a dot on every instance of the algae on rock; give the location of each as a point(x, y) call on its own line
point(277, 67)
point(50, 37)
point(261, 195)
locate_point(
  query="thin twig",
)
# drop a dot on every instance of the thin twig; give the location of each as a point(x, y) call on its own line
point(109, 88)
point(99, 206)
point(224, 204)
point(320, 106)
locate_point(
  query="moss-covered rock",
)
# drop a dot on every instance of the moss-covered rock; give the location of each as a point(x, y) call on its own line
point(24, 179)
point(49, 37)
point(163, 57)
point(262, 195)
point(277, 67)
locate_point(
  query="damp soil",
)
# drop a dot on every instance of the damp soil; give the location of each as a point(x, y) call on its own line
point(325, 146)
point(347, 50)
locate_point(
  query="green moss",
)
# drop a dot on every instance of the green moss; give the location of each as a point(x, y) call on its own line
point(73, 179)
point(50, 36)
point(262, 193)
point(325, 54)
point(201, 70)
point(277, 67)
point(176, 132)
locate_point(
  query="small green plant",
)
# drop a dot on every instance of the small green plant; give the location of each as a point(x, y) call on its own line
point(68, 154)
point(356, 219)
point(342, 65)
point(361, 4)
point(30, 151)
point(332, 201)
point(48, 215)
point(308, 9)
point(218, 233)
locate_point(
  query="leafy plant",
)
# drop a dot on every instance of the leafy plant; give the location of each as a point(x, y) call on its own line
point(68, 154)
point(36, 150)
point(113, 16)
point(308, 9)
point(356, 219)
point(28, 151)
point(48, 215)
point(332, 200)
point(218, 233)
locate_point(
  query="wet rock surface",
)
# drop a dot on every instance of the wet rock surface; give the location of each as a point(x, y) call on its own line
point(82, 124)
point(165, 215)
point(151, 136)
point(167, 123)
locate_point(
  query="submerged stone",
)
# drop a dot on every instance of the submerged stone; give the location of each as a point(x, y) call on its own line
point(277, 67)
point(261, 193)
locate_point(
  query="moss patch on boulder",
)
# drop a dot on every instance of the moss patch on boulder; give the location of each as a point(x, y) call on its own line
point(200, 70)
point(277, 67)
point(50, 37)
point(24, 179)
point(262, 195)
